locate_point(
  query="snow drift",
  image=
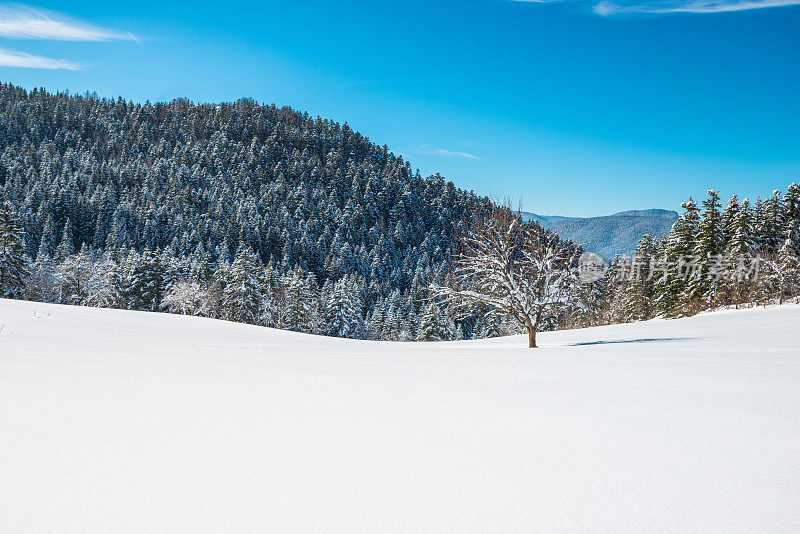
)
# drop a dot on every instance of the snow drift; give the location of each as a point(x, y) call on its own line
point(133, 422)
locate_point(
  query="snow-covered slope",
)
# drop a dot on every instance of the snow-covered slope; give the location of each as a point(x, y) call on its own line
point(118, 421)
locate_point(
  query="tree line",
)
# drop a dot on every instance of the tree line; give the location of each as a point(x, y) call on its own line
point(743, 254)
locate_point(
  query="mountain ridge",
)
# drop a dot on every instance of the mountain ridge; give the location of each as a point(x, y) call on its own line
point(609, 235)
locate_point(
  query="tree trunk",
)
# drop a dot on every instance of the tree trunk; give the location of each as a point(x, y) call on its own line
point(531, 337)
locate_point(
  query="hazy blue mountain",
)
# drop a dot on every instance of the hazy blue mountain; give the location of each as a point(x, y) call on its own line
point(610, 234)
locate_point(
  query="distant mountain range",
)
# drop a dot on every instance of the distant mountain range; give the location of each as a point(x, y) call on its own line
point(610, 234)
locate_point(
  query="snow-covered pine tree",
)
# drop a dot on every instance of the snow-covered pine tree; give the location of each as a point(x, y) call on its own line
point(106, 269)
point(708, 247)
point(13, 263)
point(791, 201)
point(489, 326)
point(271, 308)
point(758, 221)
point(343, 309)
point(771, 233)
point(172, 269)
point(243, 293)
point(140, 281)
point(618, 275)
point(274, 296)
point(153, 280)
point(741, 239)
point(588, 304)
point(301, 306)
point(434, 325)
point(791, 206)
point(376, 320)
point(396, 326)
point(48, 239)
point(639, 293)
point(411, 322)
point(729, 215)
point(740, 247)
point(670, 287)
point(66, 247)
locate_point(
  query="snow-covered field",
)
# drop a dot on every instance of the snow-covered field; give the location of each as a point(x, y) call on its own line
point(116, 421)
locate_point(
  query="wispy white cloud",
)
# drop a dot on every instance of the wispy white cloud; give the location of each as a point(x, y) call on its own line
point(608, 8)
point(10, 58)
point(437, 151)
point(19, 21)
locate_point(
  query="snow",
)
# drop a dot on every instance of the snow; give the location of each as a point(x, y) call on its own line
point(142, 422)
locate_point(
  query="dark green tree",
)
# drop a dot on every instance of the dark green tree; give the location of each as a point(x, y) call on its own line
point(13, 264)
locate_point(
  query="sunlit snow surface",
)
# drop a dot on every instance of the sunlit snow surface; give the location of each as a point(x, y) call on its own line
point(116, 421)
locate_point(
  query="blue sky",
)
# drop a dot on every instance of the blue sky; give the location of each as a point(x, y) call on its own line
point(576, 108)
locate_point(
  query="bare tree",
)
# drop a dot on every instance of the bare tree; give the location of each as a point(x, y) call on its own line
point(187, 297)
point(511, 267)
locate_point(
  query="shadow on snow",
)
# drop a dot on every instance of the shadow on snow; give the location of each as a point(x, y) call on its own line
point(641, 340)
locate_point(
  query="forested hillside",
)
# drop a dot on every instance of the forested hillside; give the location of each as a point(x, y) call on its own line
point(241, 211)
